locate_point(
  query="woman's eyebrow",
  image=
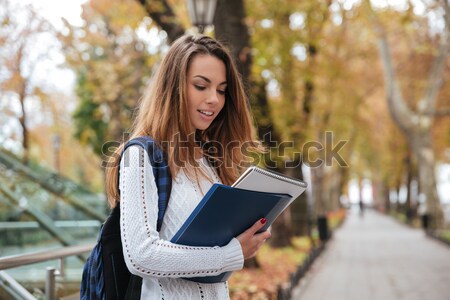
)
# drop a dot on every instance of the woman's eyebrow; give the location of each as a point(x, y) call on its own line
point(208, 80)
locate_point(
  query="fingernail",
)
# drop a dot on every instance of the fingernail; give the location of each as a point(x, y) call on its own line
point(263, 221)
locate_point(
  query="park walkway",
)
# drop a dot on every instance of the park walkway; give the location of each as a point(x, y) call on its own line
point(376, 258)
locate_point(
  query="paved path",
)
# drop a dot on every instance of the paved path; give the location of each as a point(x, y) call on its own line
point(376, 258)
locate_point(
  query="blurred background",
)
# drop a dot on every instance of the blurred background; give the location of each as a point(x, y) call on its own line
point(350, 96)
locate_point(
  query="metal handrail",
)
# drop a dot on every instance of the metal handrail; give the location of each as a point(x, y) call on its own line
point(62, 223)
point(13, 261)
point(14, 288)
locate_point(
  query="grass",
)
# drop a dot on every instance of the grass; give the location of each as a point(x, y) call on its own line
point(400, 216)
point(444, 234)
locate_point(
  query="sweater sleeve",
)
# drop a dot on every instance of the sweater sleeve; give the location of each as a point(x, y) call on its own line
point(146, 254)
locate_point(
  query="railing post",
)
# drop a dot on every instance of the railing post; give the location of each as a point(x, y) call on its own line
point(62, 267)
point(50, 283)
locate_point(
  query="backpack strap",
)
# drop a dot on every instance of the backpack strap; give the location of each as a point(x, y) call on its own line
point(161, 172)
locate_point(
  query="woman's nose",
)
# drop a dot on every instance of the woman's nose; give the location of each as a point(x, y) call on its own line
point(213, 98)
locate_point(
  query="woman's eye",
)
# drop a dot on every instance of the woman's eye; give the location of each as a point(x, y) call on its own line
point(199, 87)
point(221, 92)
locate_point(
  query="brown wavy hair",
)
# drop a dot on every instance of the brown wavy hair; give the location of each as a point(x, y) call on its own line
point(163, 115)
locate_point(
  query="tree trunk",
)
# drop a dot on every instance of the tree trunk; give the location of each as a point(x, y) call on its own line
point(115, 124)
point(282, 230)
point(385, 192)
point(282, 227)
point(301, 220)
point(23, 124)
point(317, 174)
point(230, 28)
point(317, 179)
point(423, 150)
point(398, 187)
point(335, 189)
point(409, 176)
point(378, 195)
point(320, 201)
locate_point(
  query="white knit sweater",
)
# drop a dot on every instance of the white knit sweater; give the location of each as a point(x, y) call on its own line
point(149, 254)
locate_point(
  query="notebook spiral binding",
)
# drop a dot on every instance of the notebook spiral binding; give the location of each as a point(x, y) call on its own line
point(280, 176)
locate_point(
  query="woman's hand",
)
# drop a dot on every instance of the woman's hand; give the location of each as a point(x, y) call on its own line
point(251, 241)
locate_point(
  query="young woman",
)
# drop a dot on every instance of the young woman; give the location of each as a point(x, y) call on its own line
point(196, 99)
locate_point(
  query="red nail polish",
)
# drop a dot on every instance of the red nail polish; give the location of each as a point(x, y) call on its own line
point(263, 221)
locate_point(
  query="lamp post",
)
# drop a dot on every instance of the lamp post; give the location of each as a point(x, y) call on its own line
point(201, 13)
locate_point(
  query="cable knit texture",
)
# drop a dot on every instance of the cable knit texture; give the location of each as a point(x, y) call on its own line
point(149, 254)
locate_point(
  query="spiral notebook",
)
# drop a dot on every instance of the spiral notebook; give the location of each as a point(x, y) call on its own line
point(261, 180)
point(225, 212)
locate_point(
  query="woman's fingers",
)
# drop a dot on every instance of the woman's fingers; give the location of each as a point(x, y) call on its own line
point(251, 241)
point(257, 226)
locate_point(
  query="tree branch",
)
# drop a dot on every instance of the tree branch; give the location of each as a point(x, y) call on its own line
point(161, 12)
point(441, 112)
point(400, 112)
point(435, 79)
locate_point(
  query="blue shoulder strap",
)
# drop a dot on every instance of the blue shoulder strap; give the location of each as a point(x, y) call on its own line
point(161, 172)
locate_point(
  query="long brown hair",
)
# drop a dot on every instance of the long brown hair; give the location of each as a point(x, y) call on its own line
point(163, 115)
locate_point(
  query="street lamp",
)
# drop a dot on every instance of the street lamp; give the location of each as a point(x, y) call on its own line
point(202, 13)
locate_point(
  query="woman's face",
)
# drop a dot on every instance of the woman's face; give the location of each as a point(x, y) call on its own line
point(205, 90)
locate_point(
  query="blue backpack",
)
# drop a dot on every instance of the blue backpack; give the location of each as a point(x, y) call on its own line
point(105, 274)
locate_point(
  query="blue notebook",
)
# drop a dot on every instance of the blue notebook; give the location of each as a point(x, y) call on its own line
point(224, 213)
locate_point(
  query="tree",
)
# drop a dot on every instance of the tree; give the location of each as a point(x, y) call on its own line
point(416, 124)
point(20, 58)
point(113, 63)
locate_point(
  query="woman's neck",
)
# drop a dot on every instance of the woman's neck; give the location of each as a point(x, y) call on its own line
point(198, 153)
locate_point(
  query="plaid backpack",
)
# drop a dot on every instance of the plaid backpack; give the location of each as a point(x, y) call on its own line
point(105, 274)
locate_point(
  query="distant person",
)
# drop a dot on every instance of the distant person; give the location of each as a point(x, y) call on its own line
point(196, 96)
point(361, 208)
